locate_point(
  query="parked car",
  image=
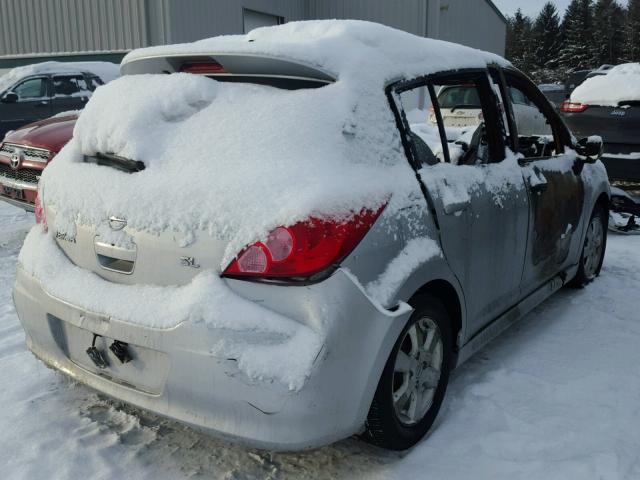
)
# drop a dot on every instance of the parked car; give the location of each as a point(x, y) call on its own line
point(39, 91)
point(460, 107)
point(288, 283)
point(25, 153)
point(556, 93)
point(608, 105)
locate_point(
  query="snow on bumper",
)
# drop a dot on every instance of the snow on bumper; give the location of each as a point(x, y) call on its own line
point(193, 372)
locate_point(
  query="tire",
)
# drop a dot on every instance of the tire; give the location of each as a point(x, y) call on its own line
point(593, 250)
point(390, 423)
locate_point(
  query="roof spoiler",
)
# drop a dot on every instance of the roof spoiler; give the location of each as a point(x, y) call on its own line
point(224, 64)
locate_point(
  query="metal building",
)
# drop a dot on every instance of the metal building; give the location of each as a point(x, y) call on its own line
point(35, 30)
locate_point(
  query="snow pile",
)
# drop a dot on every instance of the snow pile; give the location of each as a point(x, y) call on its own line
point(107, 71)
point(620, 84)
point(239, 326)
point(414, 254)
point(234, 160)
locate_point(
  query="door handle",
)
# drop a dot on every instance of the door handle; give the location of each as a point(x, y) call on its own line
point(43, 103)
point(455, 207)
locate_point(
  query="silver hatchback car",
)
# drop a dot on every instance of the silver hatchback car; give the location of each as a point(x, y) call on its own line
point(264, 237)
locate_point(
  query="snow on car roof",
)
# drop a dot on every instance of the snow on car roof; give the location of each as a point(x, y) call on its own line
point(342, 47)
point(107, 71)
point(620, 84)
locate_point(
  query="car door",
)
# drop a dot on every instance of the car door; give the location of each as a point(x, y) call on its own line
point(479, 200)
point(555, 189)
point(32, 103)
point(70, 92)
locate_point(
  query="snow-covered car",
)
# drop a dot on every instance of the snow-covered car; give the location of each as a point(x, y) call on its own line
point(460, 107)
point(246, 235)
point(39, 91)
point(608, 105)
point(24, 154)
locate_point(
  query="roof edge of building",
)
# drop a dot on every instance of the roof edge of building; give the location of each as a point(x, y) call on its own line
point(497, 10)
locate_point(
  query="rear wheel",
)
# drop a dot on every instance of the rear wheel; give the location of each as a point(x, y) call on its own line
point(414, 380)
point(595, 244)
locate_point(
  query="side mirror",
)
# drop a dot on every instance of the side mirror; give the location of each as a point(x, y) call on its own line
point(10, 97)
point(589, 149)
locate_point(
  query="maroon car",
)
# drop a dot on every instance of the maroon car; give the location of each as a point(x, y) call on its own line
point(25, 152)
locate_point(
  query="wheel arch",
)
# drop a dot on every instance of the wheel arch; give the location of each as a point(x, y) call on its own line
point(448, 295)
point(603, 201)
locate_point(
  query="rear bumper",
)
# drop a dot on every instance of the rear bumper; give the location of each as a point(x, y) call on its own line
point(181, 379)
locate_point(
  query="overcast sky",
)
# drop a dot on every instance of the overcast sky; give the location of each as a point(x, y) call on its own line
point(532, 7)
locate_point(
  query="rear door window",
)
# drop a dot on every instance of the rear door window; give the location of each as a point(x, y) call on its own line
point(448, 123)
point(70, 85)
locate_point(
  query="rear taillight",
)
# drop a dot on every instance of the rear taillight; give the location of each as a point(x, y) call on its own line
point(573, 107)
point(206, 67)
point(39, 212)
point(303, 249)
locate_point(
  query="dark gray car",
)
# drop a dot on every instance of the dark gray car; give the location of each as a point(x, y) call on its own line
point(41, 95)
point(617, 122)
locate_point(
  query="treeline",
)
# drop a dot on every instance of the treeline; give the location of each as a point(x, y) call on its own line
point(588, 35)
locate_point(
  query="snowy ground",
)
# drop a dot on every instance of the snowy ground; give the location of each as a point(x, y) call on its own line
point(556, 397)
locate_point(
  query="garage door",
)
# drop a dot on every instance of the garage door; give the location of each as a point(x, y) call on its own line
point(253, 19)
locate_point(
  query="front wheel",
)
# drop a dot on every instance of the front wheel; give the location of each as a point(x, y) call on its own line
point(414, 380)
point(595, 244)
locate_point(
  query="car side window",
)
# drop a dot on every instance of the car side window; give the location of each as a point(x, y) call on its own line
point(70, 85)
point(536, 136)
point(453, 118)
point(31, 88)
point(518, 97)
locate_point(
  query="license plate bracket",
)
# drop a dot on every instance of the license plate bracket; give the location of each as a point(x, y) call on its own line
point(14, 193)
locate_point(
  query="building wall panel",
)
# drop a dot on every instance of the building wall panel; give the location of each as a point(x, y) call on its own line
point(196, 19)
point(474, 23)
point(52, 26)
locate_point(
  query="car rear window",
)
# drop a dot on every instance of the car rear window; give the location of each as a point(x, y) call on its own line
point(463, 96)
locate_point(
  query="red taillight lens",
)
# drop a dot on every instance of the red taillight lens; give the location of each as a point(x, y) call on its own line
point(303, 249)
point(202, 68)
point(39, 212)
point(573, 107)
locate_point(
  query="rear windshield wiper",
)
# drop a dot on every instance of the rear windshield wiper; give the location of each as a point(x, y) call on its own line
point(114, 161)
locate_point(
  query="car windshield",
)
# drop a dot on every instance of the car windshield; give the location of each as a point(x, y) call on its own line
point(460, 96)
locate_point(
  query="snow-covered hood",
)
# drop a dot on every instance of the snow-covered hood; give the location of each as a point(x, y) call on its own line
point(620, 84)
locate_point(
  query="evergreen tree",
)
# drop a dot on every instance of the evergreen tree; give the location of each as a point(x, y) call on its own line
point(577, 53)
point(632, 33)
point(608, 33)
point(519, 41)
point(547, 40)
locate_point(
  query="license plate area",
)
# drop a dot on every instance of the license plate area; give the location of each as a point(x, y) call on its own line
point(145, 371)
point(13, 193)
